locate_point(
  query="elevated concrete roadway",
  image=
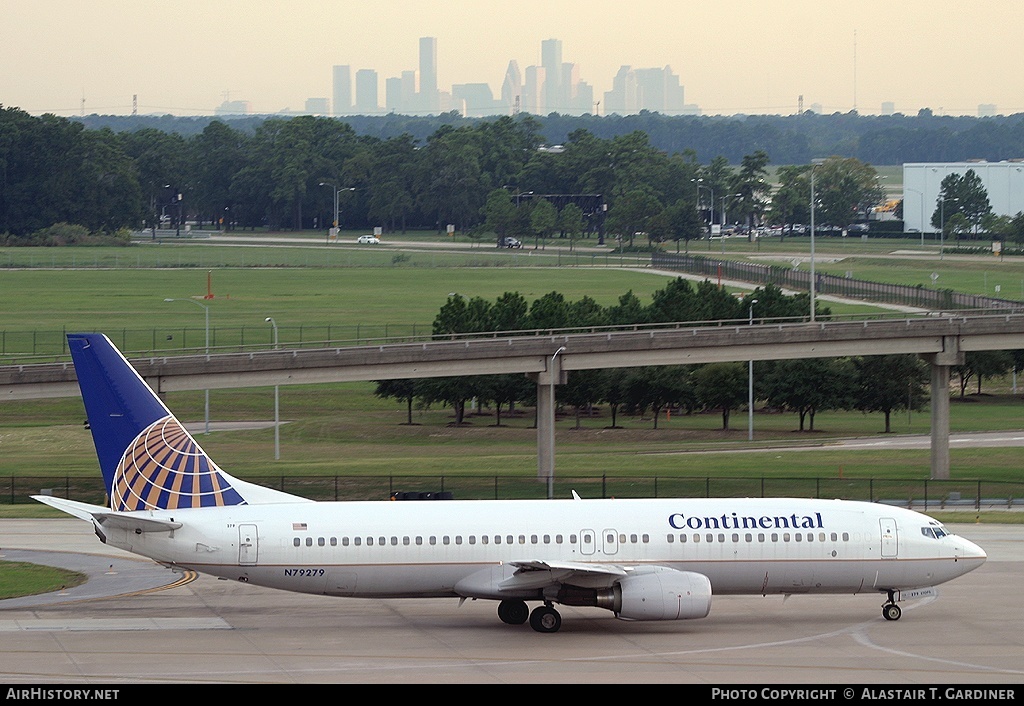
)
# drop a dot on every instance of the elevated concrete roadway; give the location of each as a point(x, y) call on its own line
point(941, 339)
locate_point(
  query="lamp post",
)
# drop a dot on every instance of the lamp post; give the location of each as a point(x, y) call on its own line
point(277, 407)
point(551, 424)
point(814, 163)
point(942, 224)
point(921, 194)
point(206, 311)
point(711, 210)
point(336, 192)
point(724, 200)
point(750, 383)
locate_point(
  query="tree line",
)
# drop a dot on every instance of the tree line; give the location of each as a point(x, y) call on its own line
point(481, 178)
point(794, 139)
point(885, 384)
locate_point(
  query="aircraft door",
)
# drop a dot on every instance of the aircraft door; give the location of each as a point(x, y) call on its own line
point(890, 540)
point(248, 545)
point(588, 542)
point(611, 541)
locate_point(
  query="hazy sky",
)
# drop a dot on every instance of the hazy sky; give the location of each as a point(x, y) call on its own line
point(732, 56)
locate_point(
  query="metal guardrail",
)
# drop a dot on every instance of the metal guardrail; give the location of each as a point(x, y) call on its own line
point(756, 273)
point(190, 340)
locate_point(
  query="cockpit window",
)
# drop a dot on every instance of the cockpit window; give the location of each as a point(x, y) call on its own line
point(934, 531)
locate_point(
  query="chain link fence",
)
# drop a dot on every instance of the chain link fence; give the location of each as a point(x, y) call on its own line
point(916, 494)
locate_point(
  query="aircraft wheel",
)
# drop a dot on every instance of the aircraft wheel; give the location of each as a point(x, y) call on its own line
point(891, 611)
point(513, 612)
point(545, 619)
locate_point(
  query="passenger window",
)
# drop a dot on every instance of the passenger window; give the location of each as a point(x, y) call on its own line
point(297, 542)
point(320, 542)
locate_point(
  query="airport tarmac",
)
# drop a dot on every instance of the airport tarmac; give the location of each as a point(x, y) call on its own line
point(136, 623)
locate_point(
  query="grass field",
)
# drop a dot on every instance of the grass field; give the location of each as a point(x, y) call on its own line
point(346, 430)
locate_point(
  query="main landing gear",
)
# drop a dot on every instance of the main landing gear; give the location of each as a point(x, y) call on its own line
point(891, 611)
point(543, 618)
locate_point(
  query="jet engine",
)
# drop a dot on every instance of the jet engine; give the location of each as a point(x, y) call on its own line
point(658, 593)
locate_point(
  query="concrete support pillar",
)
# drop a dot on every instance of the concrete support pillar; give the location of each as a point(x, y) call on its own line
point(546, 382)
point(940, 371)
point(940, 422)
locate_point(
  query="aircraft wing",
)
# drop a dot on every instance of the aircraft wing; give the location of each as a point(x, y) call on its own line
point(103, 517)
point(538, 574)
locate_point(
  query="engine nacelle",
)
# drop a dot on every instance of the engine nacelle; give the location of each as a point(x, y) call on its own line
point(663, 594)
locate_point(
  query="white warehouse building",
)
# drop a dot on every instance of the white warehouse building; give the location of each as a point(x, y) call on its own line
point(1004, 182)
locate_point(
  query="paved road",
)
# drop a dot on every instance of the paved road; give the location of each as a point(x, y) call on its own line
point(207, 631)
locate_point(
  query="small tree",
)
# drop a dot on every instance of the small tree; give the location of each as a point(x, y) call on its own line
point(721, 386)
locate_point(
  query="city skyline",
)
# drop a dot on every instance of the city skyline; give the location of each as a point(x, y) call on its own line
point(554, 86)
point(736, 56)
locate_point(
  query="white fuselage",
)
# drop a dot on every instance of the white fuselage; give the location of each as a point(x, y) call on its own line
point(425, 548)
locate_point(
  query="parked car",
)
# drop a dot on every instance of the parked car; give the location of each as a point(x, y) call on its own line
point(368, 240)
point(510, 243)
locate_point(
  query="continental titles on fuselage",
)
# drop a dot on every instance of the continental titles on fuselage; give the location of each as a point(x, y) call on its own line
point(680, 521)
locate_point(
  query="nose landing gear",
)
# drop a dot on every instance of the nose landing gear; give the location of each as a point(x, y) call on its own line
point(891, 611)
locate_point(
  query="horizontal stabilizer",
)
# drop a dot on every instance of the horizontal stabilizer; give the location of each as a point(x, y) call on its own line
point(105, 518)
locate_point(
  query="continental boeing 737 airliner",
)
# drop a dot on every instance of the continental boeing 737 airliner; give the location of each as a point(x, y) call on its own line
point(657, 559)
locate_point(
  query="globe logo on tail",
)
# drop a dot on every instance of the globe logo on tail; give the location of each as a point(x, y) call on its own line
point(164, 468)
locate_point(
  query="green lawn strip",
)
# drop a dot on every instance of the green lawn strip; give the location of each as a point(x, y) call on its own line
point(18, 578)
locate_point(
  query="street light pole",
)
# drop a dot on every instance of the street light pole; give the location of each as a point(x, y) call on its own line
point(724, 200)
point(814, 163)
point(711, 210)
point(921, 194)
point(337, 191)
point(750, 384)
point(277, 406)
point(942, 225)
point(206, 311)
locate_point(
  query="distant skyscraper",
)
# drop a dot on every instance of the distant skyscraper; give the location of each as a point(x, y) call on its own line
point(393, 95)
point(342, 86)
point(233, 108)
point(366, 92)
point(986, 110)
point(512, 89)
point(551, 60)
point(888, 108)
point(317, 106)
point(656, 90)
point(622, 98)
point(532, 90)
point(429, 97)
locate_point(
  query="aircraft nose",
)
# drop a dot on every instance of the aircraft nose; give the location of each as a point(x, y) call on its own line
point(973, 551)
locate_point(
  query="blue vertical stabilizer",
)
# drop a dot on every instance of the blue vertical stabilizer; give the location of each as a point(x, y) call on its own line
point(148, 459)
